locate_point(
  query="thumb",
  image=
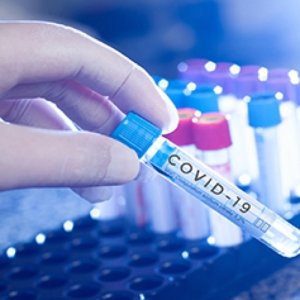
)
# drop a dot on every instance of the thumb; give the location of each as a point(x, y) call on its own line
point(38, 158)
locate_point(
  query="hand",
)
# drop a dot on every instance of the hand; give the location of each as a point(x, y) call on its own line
point(93, 85)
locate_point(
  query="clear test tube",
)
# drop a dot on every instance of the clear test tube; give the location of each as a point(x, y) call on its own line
point(264, 117)
point(212, 138)
point(280, 82)
point(193, 214)
point(206, 185)
point(160, 206)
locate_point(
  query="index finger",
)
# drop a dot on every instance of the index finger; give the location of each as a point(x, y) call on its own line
point(52, 52)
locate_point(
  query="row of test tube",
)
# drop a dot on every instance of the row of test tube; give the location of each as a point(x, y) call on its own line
point(240, 121)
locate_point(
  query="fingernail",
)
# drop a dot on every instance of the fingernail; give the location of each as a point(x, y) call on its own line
point(123, 166)
point(95, 194)
point(172, 112)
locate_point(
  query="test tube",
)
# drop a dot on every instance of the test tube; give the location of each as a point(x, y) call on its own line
point(160, 206)
point(207, 186)
point(135, 204)
point(264, 117)
point(203, 98)
point(212, 138)
point(280, 82)
point(251, 79)
point(224, 77)
point(112, 208)
point(193, 214)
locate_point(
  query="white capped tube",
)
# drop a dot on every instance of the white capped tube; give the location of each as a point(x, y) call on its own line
point(212, 138)
point(193, 214)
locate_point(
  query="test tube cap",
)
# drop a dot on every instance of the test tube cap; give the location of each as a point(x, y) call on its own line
point(211, 132)
point(136, 133)
point(282, 84)
point(223, 76)
point(203, 98)
point(183, 135)
point(193, 70)
point(263, 110)
point(175, 91)
point(250, 80)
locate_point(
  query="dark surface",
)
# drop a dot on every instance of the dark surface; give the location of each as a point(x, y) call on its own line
point(110, 260)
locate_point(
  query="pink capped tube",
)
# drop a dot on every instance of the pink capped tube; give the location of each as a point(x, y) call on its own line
point(212, 137)
point(193, 215)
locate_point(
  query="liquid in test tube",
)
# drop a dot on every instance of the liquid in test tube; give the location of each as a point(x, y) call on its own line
point(207, 186)
point(193, 215)
point(212, 138)
point(264, 118)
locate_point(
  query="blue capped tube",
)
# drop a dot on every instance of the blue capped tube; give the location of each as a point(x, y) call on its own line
point(264, 118)
point(207, 186)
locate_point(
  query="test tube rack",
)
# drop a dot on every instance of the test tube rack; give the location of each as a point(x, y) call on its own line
point(109, 260)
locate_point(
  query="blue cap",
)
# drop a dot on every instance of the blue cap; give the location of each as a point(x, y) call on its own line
point(203, 99)
point(263, 110)
point(136, 133)
point(175, 91)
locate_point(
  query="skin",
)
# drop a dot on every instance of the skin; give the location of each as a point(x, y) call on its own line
point(93, 85)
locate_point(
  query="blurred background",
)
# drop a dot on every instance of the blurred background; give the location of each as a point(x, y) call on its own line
point(158, 34)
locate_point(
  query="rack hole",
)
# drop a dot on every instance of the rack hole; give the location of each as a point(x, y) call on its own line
point(85, 223)
point(58, 236)
point(51, 281)
point(2, 286)
point(174, 267)
point(140, 237)
point(83, 265)
point(114, 274)
point(20, 295)
point(83, 290)
point(170, 245)
point(4, 262)
point(111, 230)
point(143, 259)
point(112, 251)
point(83, 243)
point(27, 249)
point(117, 295)
point(146, 282)
point(53, 257)
point(202, 252)
point(22, 272)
